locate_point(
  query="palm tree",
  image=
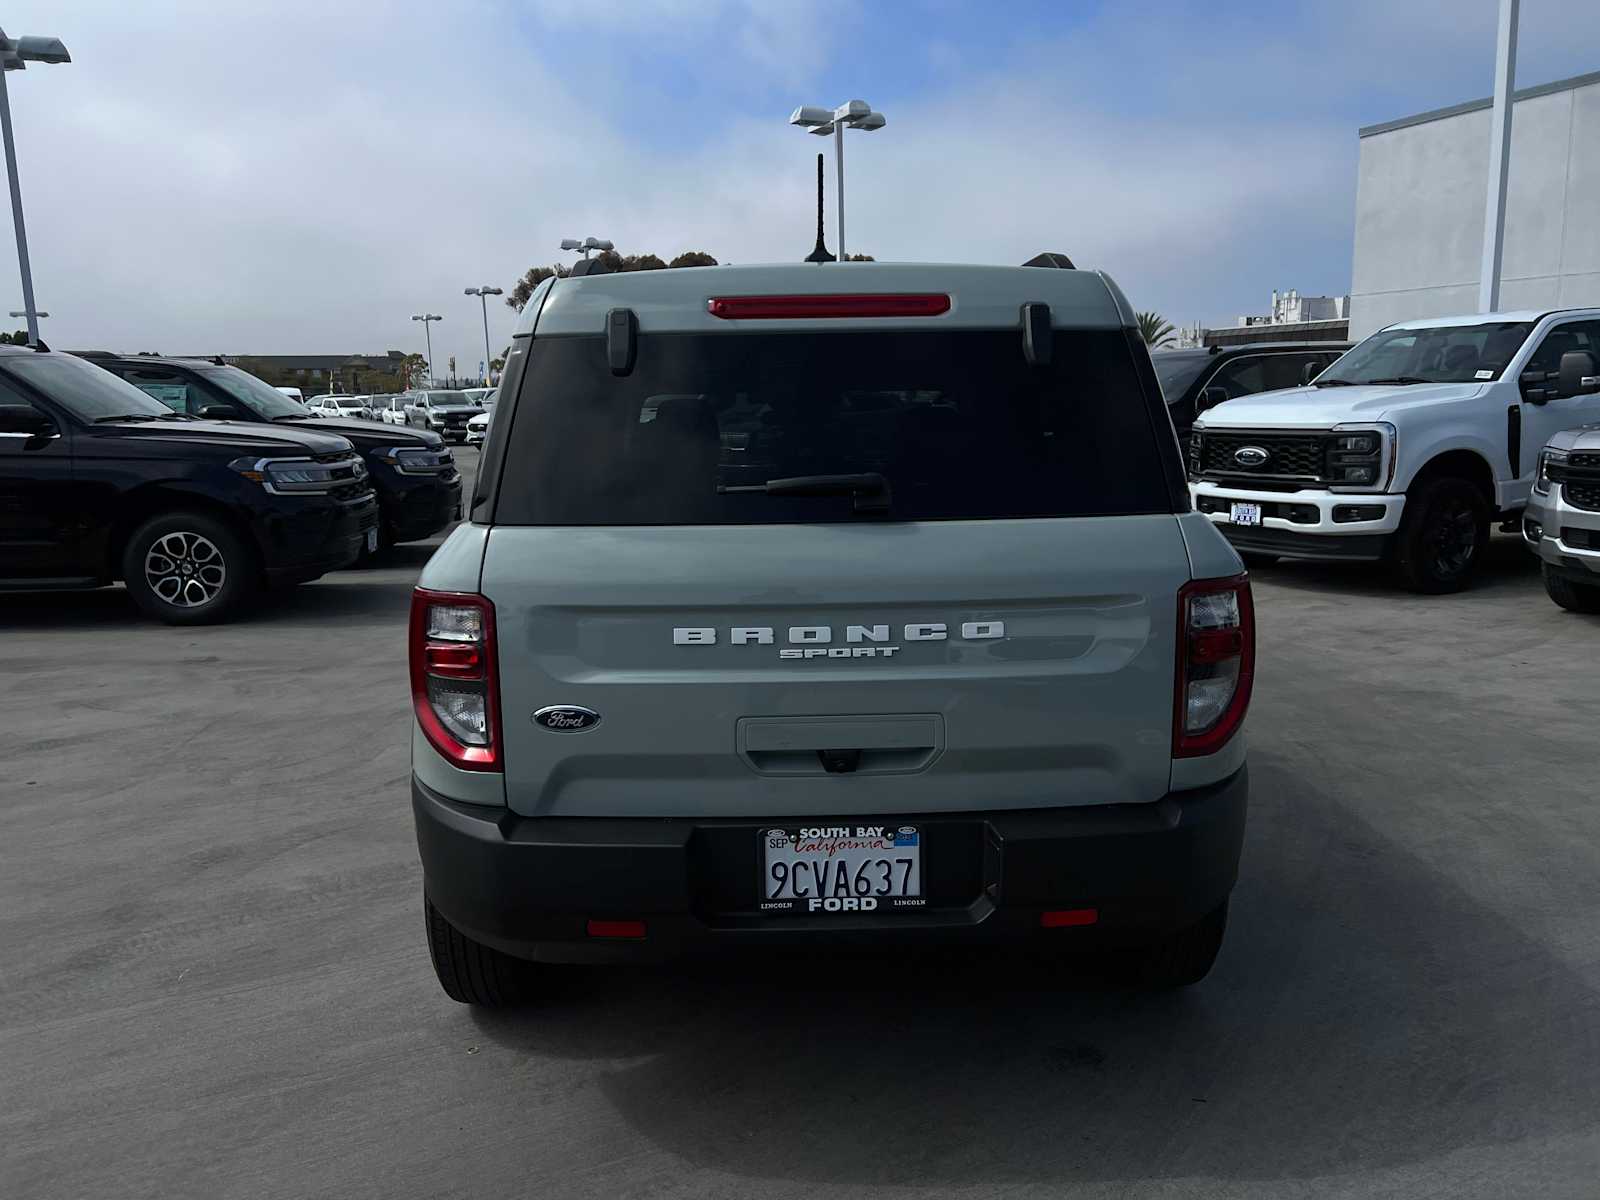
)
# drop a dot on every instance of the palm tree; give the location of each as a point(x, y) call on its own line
point(1155, 331)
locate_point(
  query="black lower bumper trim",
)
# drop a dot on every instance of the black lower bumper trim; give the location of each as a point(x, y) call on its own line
point(528, 886)
point(1288, 543)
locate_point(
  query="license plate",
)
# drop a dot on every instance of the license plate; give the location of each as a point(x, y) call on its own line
point(372, 541)
point(1245, 514)
point(841, 868)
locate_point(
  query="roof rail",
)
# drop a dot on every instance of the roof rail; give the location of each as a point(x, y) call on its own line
point(1051, 258)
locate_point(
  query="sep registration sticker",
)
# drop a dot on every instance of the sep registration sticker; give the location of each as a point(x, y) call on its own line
point(818, 869)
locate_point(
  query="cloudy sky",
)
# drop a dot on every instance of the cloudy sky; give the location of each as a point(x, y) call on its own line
point(296, 176)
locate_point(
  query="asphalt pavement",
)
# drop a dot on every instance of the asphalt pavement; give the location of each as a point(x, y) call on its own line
point(214, 983)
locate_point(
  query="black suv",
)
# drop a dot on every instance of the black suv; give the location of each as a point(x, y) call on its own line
point(415, 476)
point(99, 482)
point(1195, 380)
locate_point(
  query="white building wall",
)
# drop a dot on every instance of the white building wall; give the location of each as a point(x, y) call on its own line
point(1420, 206)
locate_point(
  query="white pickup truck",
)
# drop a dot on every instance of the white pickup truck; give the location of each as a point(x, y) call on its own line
point(1405, 449)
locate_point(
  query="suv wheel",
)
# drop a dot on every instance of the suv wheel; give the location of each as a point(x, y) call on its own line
point(472, 973)
point(187, 568)
point(1442, 536)
point(1574, 597)
point(1185, 957)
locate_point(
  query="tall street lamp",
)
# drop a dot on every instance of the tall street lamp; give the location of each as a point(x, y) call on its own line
point(427, 320)
point(587, 245)
point(15, 55)
point(483, 293)
point(853, 114)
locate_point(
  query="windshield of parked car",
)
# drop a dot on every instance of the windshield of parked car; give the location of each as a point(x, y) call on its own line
point(352, 401)
point(712, 429)
point(446, 399)
point(1178, 369)
point(83, 389)
point(260, 398)
point(1475, 353)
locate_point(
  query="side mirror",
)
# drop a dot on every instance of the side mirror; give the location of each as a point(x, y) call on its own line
point(1212, 397)
point(16, 418)
point(1309, 372)
point(1578, 376)
point(220, 412)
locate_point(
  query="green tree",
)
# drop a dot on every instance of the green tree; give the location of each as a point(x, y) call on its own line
point(532, 278)
point(1155, 331)
point(413, 369)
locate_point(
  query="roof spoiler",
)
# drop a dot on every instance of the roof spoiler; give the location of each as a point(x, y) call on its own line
point(588, 266)
point(1051, 258)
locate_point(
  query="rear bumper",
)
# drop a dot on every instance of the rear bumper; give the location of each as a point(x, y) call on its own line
point(528, 886)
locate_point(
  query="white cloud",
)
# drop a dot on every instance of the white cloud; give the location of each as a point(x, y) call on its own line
point(303, 176)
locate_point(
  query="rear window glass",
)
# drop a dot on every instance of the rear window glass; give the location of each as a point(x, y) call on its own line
point(957, 422)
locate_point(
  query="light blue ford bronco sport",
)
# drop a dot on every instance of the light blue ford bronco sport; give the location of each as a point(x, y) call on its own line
point(839, 604)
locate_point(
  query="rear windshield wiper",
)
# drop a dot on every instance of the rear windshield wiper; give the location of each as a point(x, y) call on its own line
point(1401, 379)
point(290, 417)
point(126, 417)
point(871, 490)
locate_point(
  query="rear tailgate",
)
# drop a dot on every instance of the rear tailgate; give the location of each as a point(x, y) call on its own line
point(974, 665)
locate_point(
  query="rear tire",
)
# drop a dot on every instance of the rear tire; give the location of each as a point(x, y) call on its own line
point(1442, 536)
point(188, 568)
point(1574, 597)
point(1184, 958)
point(472, 973)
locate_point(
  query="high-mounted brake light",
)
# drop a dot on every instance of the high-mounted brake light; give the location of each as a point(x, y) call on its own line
point(455, 692)
point(777, 308)
point(1216, 664)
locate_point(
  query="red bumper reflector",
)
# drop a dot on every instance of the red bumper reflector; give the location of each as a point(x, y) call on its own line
point(1061, 918)
point(775, 308)
point(615, 929)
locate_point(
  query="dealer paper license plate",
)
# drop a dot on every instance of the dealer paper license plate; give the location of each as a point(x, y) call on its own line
point(1245, 514)
point(841, 868)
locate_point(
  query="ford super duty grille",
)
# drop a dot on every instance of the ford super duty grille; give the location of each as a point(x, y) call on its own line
point(1289, 456)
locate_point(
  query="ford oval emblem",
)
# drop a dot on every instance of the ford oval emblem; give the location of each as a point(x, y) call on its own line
point(566, 718)
point(1250, 456)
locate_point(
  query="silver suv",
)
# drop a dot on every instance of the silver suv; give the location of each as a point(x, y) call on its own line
point(1562, 521)
point(830, 605)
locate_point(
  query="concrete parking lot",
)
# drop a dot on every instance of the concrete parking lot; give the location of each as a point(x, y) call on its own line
point(213, 979)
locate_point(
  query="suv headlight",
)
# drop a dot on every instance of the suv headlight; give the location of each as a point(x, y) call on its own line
point(300, 476)
point(1361, 458)
point(418, 460)
point(1551, 470)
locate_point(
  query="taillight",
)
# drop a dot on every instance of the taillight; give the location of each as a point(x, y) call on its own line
point(1216, 664)
point(774, 308)
point(454, 691)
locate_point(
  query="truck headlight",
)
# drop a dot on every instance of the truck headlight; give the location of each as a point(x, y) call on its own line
point(300, 476)
point(1551, 470)
point(1361, 459)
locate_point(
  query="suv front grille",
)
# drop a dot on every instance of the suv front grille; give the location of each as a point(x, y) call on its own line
point(1289, 455)
point(1583, 495)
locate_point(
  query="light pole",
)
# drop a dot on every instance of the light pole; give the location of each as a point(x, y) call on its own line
point(427, 320)
point(853, 114)
point(483, 293)
point(586, 245)
point(1494, 221)
point(15, 55)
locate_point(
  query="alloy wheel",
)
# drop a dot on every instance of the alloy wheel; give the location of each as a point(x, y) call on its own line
point(185, 569)
point(1452, 538)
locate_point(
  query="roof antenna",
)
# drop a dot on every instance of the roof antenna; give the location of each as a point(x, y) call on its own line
point(819, 253)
